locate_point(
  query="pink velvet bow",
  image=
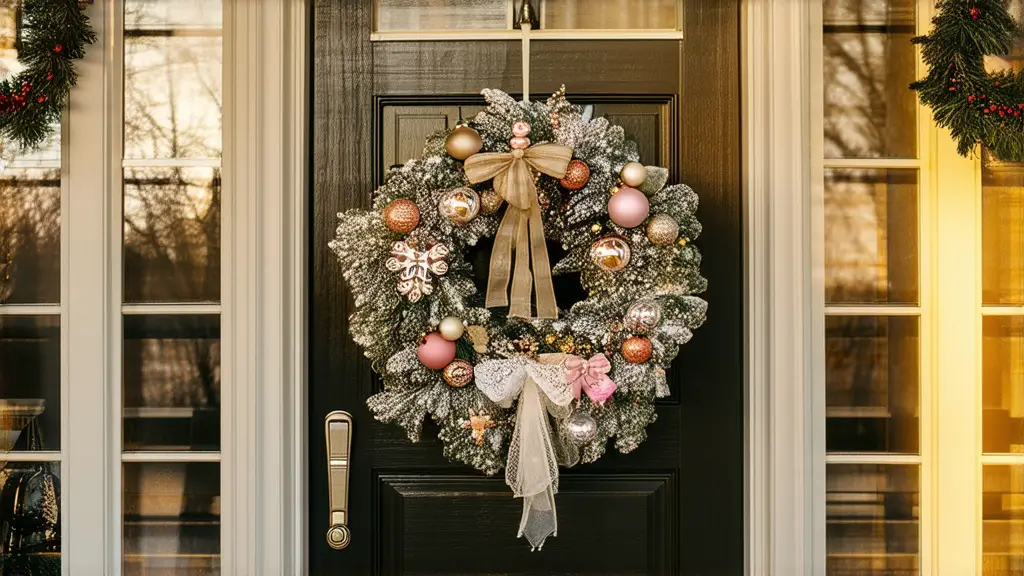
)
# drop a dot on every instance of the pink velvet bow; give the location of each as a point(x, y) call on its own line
point(590, 376)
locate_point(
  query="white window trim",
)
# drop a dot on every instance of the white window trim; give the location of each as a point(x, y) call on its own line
point(786, 426)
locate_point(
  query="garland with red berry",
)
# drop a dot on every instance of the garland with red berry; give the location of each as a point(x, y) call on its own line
point(53, 34)
point(976, 105)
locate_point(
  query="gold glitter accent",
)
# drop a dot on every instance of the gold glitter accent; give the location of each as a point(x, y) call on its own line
point(595, 228)
point(683, 241)
point(550, 338)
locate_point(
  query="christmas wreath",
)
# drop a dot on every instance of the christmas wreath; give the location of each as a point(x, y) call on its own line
point(516, 382)
point(52, 34)
point(977, 106)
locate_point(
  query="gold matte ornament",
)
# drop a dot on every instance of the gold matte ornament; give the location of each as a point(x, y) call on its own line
point(458, 373)
point(521, 230)
point(637, 350)
point(460, 205)
point(662, 230)
point(401, 216)
point(463, 142)
point(633, 174)
point(611, 253)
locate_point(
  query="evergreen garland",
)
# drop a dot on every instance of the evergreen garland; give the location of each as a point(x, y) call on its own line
point(53, 34)
point(389, 327)
point(975, 105)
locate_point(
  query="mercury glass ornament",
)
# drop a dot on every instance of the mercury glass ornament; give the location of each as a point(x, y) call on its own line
point(458, 373)
point(460, 205)
point(401, 216)
point(490, 202)
point(633, 174)
point(463, 142)
point(577, 174)
point(580, 427)
point(637, 350)
point(610, 253)
point(642, 317)
point(451, 328)
point(662, 230)
point(521, 129)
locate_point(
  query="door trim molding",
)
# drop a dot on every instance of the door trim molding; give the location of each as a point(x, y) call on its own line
point(785, 413)
point(263, 476)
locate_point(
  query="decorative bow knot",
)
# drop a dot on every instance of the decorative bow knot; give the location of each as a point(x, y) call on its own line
point(534, 452)
point(590, 376)
point(521, 228)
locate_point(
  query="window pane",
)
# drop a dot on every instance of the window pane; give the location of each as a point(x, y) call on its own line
point(1002, 509)
point(402, 15)
point(1003, 384)
point(172, 77)
point(868, 64)
point(872, 519)
point(871, 377)
point(172, 382)
point(29, 383)
point(609, 14)
point(871, 236)
point(30, 518)
point(171, 518)
point(172, 235)
point(1002, 232)
point(30, 236)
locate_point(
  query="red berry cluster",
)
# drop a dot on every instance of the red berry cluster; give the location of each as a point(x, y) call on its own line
point(975, 12)
point(15, 101)
point(1004, 110)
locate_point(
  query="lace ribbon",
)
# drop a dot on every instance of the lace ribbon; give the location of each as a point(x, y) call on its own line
point(535, 452)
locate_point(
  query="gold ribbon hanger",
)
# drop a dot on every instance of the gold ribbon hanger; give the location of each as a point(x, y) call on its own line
point(521, 229)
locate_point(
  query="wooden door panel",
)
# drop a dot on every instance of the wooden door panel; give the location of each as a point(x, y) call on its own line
point(473, 517)
point(413, 512)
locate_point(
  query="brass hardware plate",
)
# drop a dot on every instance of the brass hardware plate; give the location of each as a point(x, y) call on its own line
point(338, 428)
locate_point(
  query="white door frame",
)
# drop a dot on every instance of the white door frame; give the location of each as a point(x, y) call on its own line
point(266, 151)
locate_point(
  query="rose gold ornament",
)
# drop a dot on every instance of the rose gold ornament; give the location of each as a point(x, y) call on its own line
point(662, 230)
point(637, 350)
point(577, 173)
point(628, 207)
point(458, 373)
point(611, 253)
point(463, 142)
point(478, 423)
point(490, 202)
point(519, 143)
point(460, 205)
point(521, 129)
point(633, 174)
point(401, 216)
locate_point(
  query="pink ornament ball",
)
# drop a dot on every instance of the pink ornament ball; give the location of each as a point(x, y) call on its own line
point(520, 129)
point(629, 207)
point(519, 143)
point(435, 352)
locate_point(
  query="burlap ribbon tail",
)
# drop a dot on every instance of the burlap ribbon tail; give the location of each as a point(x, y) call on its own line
point(521, 229)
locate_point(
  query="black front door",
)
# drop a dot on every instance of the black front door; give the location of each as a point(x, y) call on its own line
point(674, 505)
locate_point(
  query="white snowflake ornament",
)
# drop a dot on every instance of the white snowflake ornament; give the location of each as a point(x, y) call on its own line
point(415, 281)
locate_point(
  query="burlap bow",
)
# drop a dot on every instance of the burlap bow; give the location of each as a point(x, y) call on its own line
point(521, 229)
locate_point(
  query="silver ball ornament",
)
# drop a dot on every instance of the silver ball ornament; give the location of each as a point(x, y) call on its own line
point(580, 427)
point(643, 316)
point(451, 328)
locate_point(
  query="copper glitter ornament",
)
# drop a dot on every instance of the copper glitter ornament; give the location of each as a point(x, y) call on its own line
point(577, 173)
point(637, 350)
point(662, 230)
point(490, 202)
point(463, 142)
point(611, 253)
point(401, 216)
point(458, 373)
point(460, 205)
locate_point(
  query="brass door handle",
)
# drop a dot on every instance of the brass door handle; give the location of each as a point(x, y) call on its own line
point(338, 426)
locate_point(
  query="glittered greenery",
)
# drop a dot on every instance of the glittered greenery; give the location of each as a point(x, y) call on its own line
point(389, 327)
point(53, 34)
point(975, 105)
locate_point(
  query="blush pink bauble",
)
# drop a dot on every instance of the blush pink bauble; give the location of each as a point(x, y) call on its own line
point(628, 207)
point(435, 352)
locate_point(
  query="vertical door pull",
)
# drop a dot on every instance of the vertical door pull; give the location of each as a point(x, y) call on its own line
point(338, 426)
